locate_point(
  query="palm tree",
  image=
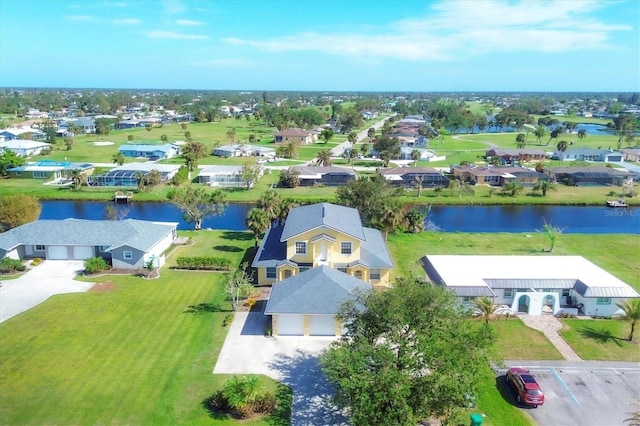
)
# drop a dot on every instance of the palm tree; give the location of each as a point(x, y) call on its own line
point(118, 158)
point(371, 133)
point(539, 132)
point(582, 133)
point(241, 393)
point(270, 202)
point(544, 186)
point(414, 219)
point(562, 146)
point(418, 183)
point(521, 141)
point(257, 222)
point(512, 188)
point(290, 150)
point(634, 420)
point(286, 204)
point(364, 149)
point(631, 309)
point(231, 135)
point(323, 158)
point(485, 308)
point(78, 178)
point(415, 156)
point(164, 138)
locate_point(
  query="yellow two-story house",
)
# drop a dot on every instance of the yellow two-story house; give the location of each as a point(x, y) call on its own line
point(323, 234)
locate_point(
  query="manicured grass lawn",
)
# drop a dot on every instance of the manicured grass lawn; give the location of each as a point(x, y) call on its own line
point(517, 341)
point(615, 253)
point(137, 354)
point(600, 339)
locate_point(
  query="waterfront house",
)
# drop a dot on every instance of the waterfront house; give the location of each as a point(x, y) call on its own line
point(410, 176)
point(589, 154)
point(589, 176)
point(324, 175)
point(532, 285)
point(127, 244)
point(24, 147)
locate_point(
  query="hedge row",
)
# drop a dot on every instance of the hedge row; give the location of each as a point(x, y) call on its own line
point(9, 266)
point(208, 263)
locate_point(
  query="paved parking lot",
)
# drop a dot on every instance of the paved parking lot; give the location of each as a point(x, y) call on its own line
point(580, 393)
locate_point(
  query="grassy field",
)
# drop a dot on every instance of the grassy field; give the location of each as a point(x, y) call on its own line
point(136, 354)
point(143, 351)
point(600, 339)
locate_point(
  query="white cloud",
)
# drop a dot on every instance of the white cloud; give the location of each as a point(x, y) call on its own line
point(188, 22)
point(174, 36)
point(173, 7)
point(80, 18)
point(456, 28)
point(126, 21)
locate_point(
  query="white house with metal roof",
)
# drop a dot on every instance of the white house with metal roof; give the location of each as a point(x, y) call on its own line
point(306, 304)
point(128, 244)
point(532, 285)
point(224, 176)
point(24, 147)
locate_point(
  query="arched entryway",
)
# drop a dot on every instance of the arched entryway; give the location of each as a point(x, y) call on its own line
point(548, 303)
point(523, 304)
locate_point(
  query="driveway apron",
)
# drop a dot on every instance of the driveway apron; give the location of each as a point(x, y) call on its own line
point(38, 284)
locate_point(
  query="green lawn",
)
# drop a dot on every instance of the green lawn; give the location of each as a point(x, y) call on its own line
point(136, 354)
point(139, 354)
point(600, 339)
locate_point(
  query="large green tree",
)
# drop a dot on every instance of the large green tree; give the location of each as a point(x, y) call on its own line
point(9, 160)
point(197, 203)
point(408, 354)
point(192, 152)
point(16, 210)
point(258, 222)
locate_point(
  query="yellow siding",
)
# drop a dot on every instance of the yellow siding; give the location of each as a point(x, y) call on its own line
point(314, 249)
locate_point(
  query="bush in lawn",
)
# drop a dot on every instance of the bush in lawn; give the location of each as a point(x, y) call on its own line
point(36, 261)
point(95, 264)
point(209, 263)
point(10, 266)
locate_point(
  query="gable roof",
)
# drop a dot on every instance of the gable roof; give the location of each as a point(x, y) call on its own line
point(318, 171)
point(320, 290)
point(294, 131)
point(146, 148)
point(138, 234)
point(305, 218)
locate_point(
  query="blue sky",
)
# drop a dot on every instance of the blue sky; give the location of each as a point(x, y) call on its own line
point(401, 45)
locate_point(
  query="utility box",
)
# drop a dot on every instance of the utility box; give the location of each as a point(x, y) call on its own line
point(476, 420)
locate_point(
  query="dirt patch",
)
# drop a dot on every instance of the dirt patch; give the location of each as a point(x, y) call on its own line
point(102, 287)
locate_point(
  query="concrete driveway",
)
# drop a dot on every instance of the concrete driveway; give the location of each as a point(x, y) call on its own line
point(289, 359)
point(38, 284)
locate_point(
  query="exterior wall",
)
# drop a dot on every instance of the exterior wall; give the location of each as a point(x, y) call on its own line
point(314, 249)
point(156, 252)
point(118, 260)
point(592, 308)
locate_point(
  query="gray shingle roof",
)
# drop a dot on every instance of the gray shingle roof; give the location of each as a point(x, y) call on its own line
point(138, 234)
point(342, 219)
point(320, 290)
point(272, 251)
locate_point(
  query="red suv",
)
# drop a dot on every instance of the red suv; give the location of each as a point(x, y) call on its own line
point(527, 389)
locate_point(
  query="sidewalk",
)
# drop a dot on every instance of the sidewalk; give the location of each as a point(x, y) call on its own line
point(550, 325)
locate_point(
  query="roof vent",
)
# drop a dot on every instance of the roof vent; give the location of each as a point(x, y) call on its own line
point(323, 212)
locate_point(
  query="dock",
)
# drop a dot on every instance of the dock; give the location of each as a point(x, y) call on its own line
point(122, 196)
point(616, 203)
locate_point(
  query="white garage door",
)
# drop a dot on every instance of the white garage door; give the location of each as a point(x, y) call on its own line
point(57, 253)
point(290, 325)
point(82, 252)
point(322, 325)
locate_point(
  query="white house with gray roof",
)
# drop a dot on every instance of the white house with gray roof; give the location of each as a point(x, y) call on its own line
point(306, 304)
point(128, 244)
point(533, 285)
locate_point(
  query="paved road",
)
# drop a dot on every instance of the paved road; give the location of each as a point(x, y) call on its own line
point(337, 151)
point(38, 284)
point(596, 393)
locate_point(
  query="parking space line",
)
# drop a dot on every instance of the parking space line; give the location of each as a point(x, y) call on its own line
point(564, 385)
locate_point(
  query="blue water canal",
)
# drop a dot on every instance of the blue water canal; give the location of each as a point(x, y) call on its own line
point(573, 219)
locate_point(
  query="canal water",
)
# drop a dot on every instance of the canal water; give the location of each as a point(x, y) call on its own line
point(572, 219)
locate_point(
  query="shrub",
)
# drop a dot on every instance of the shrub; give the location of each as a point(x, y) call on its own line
point(36, 261)
point(207, 263)
point(227, 320)
point(10, 266)
point(95, 264)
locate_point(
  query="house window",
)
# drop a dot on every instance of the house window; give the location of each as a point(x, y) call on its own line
point(342, 270)
point(301, 247)
point(127, 255)
point(271, 273)
point(39, 247)
point(375, 274)
point(468, 298)
point(40, 175)
point(603, 301)
point(508, 292)
point(345, 247)
point(303, 268)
